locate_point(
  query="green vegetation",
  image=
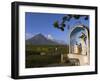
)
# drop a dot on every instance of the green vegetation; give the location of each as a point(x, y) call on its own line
point(67, 18)
point(44, 55)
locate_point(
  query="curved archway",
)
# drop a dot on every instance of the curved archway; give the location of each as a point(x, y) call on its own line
point(79, 43)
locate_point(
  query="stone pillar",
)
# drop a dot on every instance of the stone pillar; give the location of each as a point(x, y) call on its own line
point(84, 47)
point(76, 50)
point(62, 58)
point(88, 47)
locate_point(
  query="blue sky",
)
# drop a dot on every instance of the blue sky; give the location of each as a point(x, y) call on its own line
point(43, 23)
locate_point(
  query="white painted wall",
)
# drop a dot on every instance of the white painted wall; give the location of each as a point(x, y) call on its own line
point(5, 40)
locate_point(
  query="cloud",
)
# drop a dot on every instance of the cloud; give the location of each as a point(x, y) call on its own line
point(50, 36)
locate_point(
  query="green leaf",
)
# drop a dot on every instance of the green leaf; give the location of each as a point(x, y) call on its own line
point(56, 24)
point(63, 25)
point(62, 29)
point(86, 18)
point(76, 16)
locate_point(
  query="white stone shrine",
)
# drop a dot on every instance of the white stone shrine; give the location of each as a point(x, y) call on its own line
point(80, 52)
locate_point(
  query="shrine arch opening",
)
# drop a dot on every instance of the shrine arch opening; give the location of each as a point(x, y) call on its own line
point(79, 44)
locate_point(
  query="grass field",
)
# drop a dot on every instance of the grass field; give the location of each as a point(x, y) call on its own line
point(44, 55)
